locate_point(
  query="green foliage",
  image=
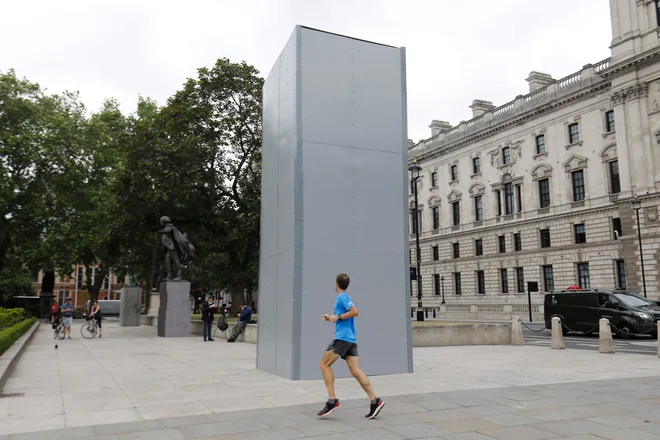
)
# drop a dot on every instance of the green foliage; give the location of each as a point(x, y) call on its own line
point(9, 335)
point(15, 282)
point(91, 189)
point(9, 317)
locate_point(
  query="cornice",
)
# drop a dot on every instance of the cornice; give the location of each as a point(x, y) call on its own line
point(512, 121)
point(631, 63)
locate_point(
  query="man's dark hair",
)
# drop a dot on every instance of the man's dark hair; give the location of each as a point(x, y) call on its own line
point(343, 281)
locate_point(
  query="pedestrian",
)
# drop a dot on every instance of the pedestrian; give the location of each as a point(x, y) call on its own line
point(97, 315)
point(67, 320)
point(243, 321)
point(207, 318)
point(344, 345)
point(54, 313)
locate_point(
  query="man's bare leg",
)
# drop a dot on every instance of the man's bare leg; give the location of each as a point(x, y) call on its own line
point(354, 367)
point(329, 358)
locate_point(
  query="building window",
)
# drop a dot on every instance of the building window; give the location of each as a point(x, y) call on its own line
point(578, 185)
point(436, 284)
point(544, 193)
point(457, 283)
point(615, 181)
point(504, 278)
point(80, 276)
point(517, 242)
point(436, 217)
point(418, 223)
point(616, 228)
point(436, 253)
point(545, 238)
point(456, 250)
point(508, 198)
point(580, 234)
point(540, 144)
point(409, 256)
point(609, 121)
point(520, 279)
point(519, 198)
point(434, 179)
point(456, 211)
point(548, 279)
point(481, 283)
point(573, 133)
point(501, 240)
point(657, 12)
point(621, 275)
point(454, 173)
point(506, 155)
point(478, 209)
point(106, 282)
point(478, 247)
point(499, 203)
point(583, 276)
point(476, 165)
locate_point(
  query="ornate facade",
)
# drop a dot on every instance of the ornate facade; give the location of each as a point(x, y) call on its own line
point(540, 188)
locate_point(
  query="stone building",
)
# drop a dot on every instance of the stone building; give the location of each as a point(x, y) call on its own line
point(540, 188)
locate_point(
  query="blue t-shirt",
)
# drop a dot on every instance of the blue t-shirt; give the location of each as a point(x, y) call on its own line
point(344, 329)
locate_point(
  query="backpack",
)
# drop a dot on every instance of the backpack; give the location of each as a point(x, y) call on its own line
point(222, 324)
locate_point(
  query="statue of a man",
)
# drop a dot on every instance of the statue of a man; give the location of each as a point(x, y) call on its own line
point(179, 249)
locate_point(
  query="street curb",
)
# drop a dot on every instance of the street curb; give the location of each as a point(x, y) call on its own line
point(10, 358)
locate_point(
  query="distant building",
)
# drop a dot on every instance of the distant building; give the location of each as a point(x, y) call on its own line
point(75, 287)
point(540, 188)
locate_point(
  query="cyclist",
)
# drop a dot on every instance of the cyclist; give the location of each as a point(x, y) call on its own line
point(97, 315)
point(55, 313)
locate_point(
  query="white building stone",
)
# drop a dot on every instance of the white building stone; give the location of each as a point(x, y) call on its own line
point(570, 134)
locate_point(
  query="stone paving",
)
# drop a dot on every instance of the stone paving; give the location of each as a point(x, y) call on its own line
point(133, 385)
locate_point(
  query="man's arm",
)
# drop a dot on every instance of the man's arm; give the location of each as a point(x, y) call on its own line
point(352, 313)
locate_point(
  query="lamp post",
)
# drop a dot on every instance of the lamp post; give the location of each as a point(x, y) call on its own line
point(442, 289)
point(637, 204)
point(414, 177)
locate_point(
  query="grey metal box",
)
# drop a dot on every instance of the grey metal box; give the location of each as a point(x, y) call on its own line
point(334, 196)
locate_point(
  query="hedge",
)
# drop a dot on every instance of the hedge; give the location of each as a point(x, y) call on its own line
point(9, 335)
point(9, 317)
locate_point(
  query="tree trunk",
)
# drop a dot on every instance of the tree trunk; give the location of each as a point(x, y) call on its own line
point(237, 297)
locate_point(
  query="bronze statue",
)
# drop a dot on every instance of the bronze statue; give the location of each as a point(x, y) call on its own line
point(179, 249)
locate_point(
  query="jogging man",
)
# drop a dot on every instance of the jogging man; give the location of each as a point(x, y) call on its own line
point(345, 346)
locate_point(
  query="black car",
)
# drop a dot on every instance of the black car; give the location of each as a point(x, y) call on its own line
point(580, 310)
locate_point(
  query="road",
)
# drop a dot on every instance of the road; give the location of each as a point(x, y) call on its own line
point(577, 341)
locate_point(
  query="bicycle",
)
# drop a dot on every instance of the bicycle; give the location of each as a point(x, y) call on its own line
point(58, 330)
point(90, 328)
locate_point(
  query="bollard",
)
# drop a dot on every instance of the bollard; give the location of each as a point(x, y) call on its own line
point(605, 342)
point(516, 332)
point(557, 334)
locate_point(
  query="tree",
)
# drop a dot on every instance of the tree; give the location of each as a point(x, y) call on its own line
point(217, 117)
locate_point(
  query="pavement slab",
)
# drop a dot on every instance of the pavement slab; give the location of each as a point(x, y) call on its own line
point(133, 385)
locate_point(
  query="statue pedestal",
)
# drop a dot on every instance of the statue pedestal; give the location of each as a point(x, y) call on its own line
point(129, 307)
point(174, 312)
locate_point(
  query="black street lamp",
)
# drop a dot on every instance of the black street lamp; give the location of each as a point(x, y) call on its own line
point(414, 177)
point(442, 288)
point(637, 204)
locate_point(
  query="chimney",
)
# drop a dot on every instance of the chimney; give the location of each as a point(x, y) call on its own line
point(480, 107)
point(438, 127)
point(538, 80)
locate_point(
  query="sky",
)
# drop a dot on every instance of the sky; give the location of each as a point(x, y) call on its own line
point(457, 50)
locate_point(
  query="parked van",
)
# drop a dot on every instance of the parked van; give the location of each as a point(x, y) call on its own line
point(628, 312)
point(109, 307)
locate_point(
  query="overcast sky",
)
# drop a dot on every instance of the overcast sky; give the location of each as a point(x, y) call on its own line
point(457, 50)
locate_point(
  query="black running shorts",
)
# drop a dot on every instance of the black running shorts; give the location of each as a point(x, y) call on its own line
point(343, 348)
